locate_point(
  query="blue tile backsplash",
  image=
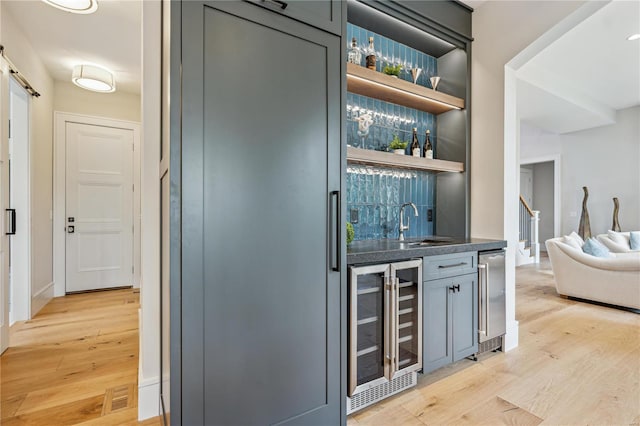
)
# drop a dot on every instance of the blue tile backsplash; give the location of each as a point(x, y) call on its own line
point(378, 193)
point(388, 120)
point(391, 52)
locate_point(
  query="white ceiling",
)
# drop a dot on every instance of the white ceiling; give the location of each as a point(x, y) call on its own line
point(586, 75)
point(577, 82)
point(110, 37)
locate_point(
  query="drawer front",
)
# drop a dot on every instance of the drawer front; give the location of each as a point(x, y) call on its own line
point(450, 265)
point(323, 14)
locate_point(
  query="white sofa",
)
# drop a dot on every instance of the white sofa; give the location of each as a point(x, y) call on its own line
point(616, 242)
point(614, 280)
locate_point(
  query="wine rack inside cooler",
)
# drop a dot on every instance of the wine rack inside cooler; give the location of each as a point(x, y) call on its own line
point(407, 336)
point(367, 316)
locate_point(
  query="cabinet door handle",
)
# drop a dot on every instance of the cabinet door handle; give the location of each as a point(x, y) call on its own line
point(11, 228)
point(277, 3)
point(457, 288)
point(336, 250)
point(452, 266)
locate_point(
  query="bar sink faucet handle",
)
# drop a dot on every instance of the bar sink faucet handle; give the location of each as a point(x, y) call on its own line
point(402, 226)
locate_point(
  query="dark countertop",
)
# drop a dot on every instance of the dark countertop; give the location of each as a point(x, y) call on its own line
point(380, 251)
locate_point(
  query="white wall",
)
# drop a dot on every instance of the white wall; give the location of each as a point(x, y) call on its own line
point(543, 199)
point(149, 371)
point(604, 159)
point(117, 105)
point(501, 30)
point(19, 50)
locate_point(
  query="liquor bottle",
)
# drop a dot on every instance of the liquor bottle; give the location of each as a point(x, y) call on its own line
point(415, 145)
point(354, 56)
point(427, 148)
point(371, 55)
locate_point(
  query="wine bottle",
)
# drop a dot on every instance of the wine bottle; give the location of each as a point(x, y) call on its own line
point(354, 56)
point(371, 55)
point(415, 145)
point(427, 148)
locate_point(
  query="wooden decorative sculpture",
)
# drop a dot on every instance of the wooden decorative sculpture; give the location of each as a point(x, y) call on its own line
point(584, 230)
point(616, 209)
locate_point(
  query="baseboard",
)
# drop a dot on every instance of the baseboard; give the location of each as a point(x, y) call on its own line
point(511, 338)
point(41, 298)
point(148, 398)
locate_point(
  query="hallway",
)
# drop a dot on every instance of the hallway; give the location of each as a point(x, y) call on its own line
point(76, 362)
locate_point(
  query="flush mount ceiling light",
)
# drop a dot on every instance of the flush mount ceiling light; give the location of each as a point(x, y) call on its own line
point(94, 78)
point(74, 6)
point(633, 37)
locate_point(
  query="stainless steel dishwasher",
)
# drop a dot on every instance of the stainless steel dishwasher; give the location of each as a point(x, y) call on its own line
point(491, 301)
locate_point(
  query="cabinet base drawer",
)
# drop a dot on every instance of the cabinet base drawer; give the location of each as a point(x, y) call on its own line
point(450, 265)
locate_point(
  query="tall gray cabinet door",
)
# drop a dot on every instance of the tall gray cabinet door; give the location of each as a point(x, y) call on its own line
point(465, 316)
point(261, 108)
point(436, 351)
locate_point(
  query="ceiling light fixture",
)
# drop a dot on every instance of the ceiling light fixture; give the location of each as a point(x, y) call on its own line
point(74, 6)
point(93, 78)
point(633, 37)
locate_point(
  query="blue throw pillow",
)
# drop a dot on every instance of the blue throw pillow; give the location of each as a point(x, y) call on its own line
point(596, 248)
point(634, 240)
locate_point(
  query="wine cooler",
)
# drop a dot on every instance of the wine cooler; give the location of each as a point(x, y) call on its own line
point(385, 330)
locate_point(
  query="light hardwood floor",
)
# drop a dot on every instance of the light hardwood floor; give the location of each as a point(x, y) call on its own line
point(76, 362)
point(576, 364)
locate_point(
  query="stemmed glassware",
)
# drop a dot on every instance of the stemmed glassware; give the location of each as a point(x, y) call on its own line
point(413, 70)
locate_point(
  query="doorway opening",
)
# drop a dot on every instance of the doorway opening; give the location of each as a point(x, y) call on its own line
point(544, 191)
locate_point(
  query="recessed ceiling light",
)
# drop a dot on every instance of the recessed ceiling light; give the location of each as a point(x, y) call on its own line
point(633, 37)
point(93, 78)
point(74, 6)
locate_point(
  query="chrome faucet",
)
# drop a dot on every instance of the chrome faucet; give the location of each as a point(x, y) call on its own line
point(403, 228)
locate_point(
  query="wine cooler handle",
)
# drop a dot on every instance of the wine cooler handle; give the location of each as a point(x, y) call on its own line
point(277, 3)
point(12, 222)
point(336, 245)
point(396, 322)
point(387, 325)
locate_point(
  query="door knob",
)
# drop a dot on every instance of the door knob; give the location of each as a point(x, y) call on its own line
point(70, 229)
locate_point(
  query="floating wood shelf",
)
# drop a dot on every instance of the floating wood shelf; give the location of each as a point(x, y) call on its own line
point(389, 159)
point(366, 82)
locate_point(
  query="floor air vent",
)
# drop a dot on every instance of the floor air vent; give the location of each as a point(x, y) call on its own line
point(382, 391)
point(118, 398)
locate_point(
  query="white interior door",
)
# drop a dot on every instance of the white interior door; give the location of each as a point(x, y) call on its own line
point(19, 255)
point(99, 207)
point(4, 201)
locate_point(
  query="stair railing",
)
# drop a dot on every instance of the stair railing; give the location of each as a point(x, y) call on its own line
point(529, 223)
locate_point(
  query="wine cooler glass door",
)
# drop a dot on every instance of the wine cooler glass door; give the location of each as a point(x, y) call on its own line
point(406, 336)
point(367, 330)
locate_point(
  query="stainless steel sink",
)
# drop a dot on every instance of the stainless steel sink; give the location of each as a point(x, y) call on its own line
point(430, 242)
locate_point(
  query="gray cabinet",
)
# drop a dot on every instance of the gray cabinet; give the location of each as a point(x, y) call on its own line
point(324, 14)
point(256, 176)
point(450, 312)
